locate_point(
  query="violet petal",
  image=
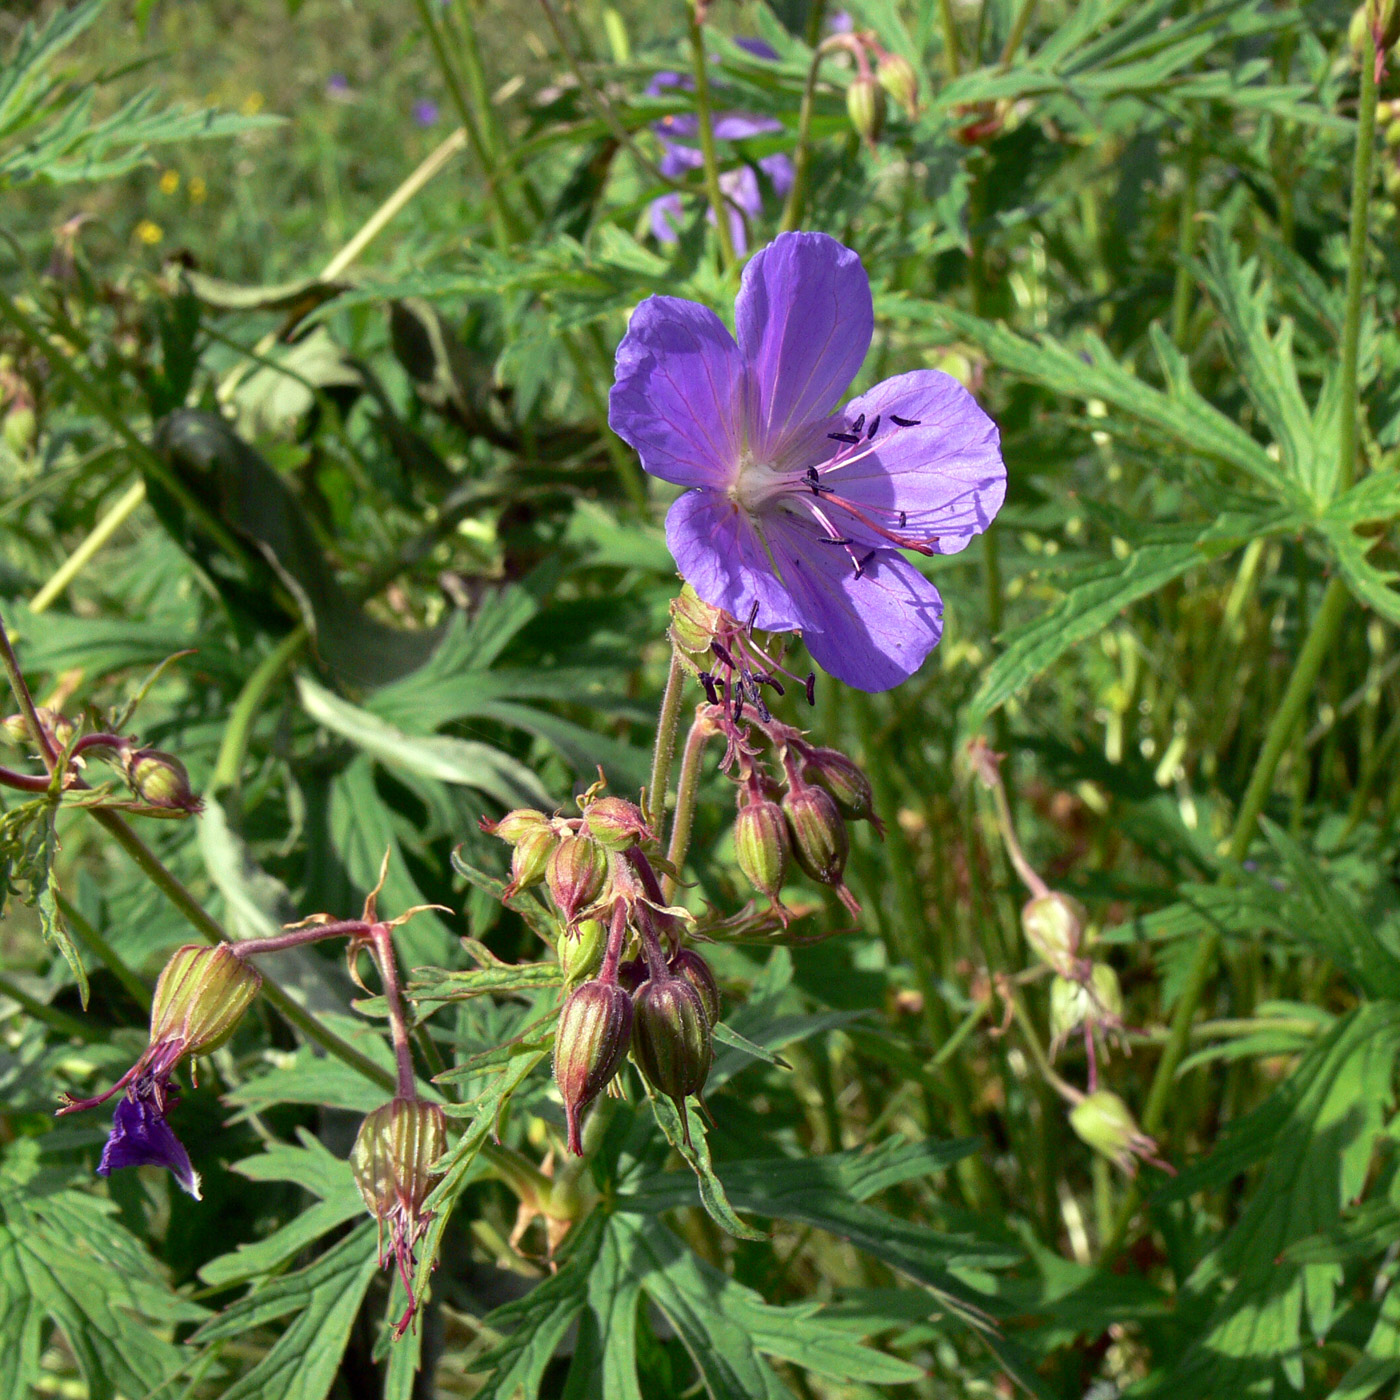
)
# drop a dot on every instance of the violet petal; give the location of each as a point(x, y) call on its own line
point(805, 318)
point(141, 1137)
point(676, 394)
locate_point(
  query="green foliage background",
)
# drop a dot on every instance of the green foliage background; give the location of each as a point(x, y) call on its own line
point(421, 581)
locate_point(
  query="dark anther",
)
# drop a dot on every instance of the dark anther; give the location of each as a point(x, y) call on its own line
point(902, 519)
point(844, 437)
point(763, 678)
point(835, 539)
point(874, 426)
point(753, 616)
point(811, 476)
point(708, 681)
point(811, 687)
point(858, 425)
point(904, 422)
point(721, 651)
point(863, 564)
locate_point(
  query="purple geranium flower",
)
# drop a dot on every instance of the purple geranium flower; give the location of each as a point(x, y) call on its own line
point(425, 112)
point(141, 1137)
point(797, 511)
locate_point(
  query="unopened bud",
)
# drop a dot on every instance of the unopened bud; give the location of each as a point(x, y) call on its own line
point(577, 868)
point(688, 965)
point(581, 949)
point(616, 824)
point(595, 1028)
point(1103, 1121)
point(58, 727)
point(897, 77)
point(1097, 1000)
point(671, 1039)
point(530, 858)
point(844, 779)
point(516, 824)
point(393, 1156)
point(693, 624)
point(819, 839)
point(160, 780)
point(20, 428)
point(865, 105)
point(1380, 18)
point(200, 996)
point(762, 846)
point(1054, 925)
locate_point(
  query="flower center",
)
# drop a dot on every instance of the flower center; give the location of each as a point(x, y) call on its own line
point(755, 484)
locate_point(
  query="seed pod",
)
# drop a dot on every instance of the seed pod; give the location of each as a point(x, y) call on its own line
point(688, 965)
point(1104, 1122)
point(515, 824)
point(595, 1028)
point(577, 868)
point(530, 859)
point(1054, 925)
point(897, 77)
point(865, 105)
point(200, 996)
point(394, 1150)
point(581, 951)
point(160, 780)
point(819, 839)
point(671, 1039)
point(1099, 1001)
point(762, 846)
point(844, 779)
point(616, 824)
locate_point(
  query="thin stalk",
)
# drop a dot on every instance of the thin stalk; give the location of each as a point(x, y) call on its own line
point(629, 474)
point(1186, 246)
point(103, 531)
point(687, 790)
point(1018, 32)
point(668, 725)
point(26, 704)
point(700, 68)
point(228, 767)
point(796, 204)
point(950, 38)
point(816, 14)
point(298, 937)
point(382, 940)
point(25, 782)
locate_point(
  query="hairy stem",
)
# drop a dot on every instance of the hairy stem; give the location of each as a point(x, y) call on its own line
point(667, 725)
point(382, 939)
point(296, 937)
point(687, 790)
point(701, 70)
point(796, 205)
point(26, 707)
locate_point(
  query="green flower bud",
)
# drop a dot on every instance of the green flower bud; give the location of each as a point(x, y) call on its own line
point(200, 996)
point(865, 105)
point(16, 730)
point(392, 1164)
point(58, 727)
point(530, 859)
point(616, 824)
point(581, 950)
point(844, 779)
point(819, 839)
point(693, 624)
point(671, 1039)
point(516, 824)
point(1054, 925)
point(762, 846)
point(1075, 1001)
point(1103, 1121)
point(897, 77)
point(20, 428)
point(595, 1028)
point(688, 965)
point(577, 868)
point(160, 780)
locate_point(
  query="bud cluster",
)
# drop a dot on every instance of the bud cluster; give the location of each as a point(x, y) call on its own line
point(891, 77)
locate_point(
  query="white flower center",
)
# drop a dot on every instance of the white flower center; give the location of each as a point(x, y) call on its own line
point(755, 484)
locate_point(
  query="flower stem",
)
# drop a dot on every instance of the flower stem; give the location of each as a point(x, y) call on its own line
point(668, 723)
point(295, 937)
point(700, 68)
point(950, 37)
point(228, 766)
point(382, 938)
point(1186, 245)
point(796, 204)
point(1018, 32)
point(25, 782)
point(26, 704)
point(816, 13)
point(103, 531)
point(687, 789)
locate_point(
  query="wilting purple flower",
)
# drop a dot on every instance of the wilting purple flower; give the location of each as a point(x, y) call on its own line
point(141, 1137)
point(425, 112)
point(797, 510)
point(739, 186)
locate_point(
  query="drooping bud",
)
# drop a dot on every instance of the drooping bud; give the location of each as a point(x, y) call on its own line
point(865, 105)
point(392, 1163)
point(897, 77)
point(1054, 926)
point(688, 965)
point(160, 780)
point(530, 859)
point(515, 824)
point(16, 730)
point(616, 824)
point(671, 1039)
point(818, 831)
point(1093, 997)
point(844, 779)
point(200, 997)
point(581, 949)
point(762, 846)
point(58, 728)
point(595, 1028)
point(1104, 1122)
point(577, 868)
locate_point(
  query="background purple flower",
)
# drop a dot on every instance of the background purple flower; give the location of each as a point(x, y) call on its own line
point(425, 112)
point(797, 512)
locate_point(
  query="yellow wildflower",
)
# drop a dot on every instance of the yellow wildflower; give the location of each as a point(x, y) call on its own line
point(198, 190)
point(170, 182)
point(149, 232)
point(252, 104)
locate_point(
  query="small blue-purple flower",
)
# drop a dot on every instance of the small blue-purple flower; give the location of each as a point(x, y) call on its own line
point(796, 510)
point(141, 1137)
point(425, 112)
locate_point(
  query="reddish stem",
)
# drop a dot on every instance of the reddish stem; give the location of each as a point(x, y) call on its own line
point(382, 940)
point(25, 782)
point(294, 938)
